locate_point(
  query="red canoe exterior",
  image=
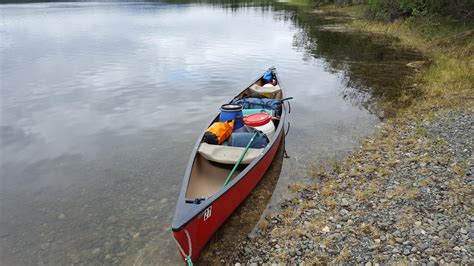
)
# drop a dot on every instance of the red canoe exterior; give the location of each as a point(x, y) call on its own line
point(202, 230)
point(194, 225)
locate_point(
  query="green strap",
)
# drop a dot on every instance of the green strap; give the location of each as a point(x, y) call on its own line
point(188, 260)
point(240, 159)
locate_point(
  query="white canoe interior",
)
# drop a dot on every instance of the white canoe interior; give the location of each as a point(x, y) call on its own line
point(213, 163)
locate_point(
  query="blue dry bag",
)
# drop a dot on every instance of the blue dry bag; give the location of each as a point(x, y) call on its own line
point(267, 76)
point(242, 139)
point(259, 103)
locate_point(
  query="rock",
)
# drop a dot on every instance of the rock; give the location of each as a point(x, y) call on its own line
point(381, 114)
point(326, 229)
point(292, 252)
point(345, 203)
point(429, 251)
point(95, 251)
point(247, 250)
point(112, 219)
point(373, 247)
point(406, 252)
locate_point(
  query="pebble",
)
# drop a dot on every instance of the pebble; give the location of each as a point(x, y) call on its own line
point(345, 203)
point(422, 246)
point(96, 251)
point(44, 246)
point(112, 219)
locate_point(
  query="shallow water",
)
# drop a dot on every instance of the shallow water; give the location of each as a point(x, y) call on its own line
point(101, 104)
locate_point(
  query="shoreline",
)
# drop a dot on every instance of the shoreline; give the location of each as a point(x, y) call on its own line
point(405, 195)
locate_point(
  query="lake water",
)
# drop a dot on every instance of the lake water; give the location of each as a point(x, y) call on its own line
point(101, 104)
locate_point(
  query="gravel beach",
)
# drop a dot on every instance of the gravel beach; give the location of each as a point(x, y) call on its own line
point(404, 196)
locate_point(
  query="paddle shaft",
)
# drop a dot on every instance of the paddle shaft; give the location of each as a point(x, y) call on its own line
point(240, 159)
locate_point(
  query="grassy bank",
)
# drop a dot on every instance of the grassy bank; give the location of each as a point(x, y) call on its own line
point(404, 195)
point(447, 80)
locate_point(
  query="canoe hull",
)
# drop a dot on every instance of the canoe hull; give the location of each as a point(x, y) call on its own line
point(203, 226)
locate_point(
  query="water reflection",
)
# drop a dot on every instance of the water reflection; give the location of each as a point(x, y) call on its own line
point(101, 104)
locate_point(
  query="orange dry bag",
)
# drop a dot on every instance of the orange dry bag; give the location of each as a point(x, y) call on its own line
point(218, 132)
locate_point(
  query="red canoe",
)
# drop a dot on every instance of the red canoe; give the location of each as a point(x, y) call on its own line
point(204, 203)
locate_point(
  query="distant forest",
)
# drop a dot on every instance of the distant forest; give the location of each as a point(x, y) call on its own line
point(392, 9)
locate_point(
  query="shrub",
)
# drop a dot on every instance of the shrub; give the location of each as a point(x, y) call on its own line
point(389, 10)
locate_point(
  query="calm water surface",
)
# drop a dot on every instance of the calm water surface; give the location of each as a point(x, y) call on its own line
point(101, 104)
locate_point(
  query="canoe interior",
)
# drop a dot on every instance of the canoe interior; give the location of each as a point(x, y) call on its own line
point(207, 177)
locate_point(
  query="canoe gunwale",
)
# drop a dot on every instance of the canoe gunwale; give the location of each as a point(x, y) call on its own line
point(184, 214)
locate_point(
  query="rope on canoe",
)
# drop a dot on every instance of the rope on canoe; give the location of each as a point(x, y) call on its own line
point(186, 256)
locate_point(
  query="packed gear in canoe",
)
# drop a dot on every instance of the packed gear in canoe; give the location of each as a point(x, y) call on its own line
point(229, 160)
point(218, 132)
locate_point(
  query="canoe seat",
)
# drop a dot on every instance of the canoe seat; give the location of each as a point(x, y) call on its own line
point(227, 154)
point(268, 90)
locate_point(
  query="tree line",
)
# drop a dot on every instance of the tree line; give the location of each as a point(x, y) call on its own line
point(393, 9)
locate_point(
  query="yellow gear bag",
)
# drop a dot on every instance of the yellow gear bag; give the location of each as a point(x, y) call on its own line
point(218, 132)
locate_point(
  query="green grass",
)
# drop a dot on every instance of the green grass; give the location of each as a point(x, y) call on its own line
point(448, 79)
